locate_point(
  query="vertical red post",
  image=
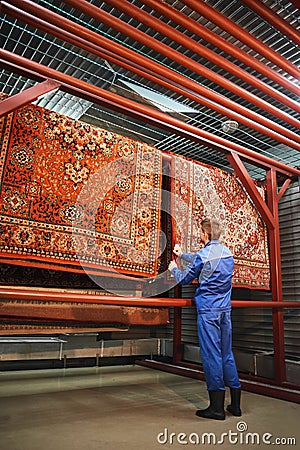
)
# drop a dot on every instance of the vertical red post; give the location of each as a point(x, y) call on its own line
point(177, 346)
point(276, 279)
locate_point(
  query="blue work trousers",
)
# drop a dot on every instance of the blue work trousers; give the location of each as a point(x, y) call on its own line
point(214, 331)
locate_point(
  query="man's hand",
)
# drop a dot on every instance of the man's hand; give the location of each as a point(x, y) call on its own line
point(172, 265)
point(177, 250)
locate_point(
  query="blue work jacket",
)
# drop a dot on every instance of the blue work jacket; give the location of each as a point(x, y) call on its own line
point(213, 267)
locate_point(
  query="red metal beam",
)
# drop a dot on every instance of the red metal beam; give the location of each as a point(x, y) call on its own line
point(274, 19)
point(283, 189)
point(92, 40)
point(242, 35)
point(10, 293)
point(219, 60)
point(177, 345)
point(29, 95)
point(108, 19)
point(142, 112)
point(251, 188)
point(275, 237)
point(36, 294)
point(276, 279)
point(285, 391)
point(218, 41)
point(264, 304)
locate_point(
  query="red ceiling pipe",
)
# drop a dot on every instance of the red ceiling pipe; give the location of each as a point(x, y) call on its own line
point(243, 36)
point(175, 35)
point(134, 33)
point(250, 187)
point(89, 46)
point(273, 19)
point(144, 113)
point(218, 41)
point(157, 68)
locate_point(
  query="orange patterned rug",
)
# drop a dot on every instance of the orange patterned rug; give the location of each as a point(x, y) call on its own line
point(73, 196)
point(201, 191)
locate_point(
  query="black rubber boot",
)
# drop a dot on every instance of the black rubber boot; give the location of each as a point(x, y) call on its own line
point(234, 407)
point(216, 407)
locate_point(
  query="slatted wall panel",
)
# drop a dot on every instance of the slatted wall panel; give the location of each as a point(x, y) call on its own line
point(289, 213)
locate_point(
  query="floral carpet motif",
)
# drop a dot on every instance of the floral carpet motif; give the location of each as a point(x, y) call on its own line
point(73, 196)
point(201, 191)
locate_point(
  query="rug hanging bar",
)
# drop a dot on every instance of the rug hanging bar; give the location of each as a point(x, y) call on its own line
point(31, 294)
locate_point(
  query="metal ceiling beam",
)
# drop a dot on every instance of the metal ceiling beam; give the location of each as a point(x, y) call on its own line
point(128, 30)
point(242, 35)
point(27, 96)
point(274, 19)
point(251, 188)
point(218, 41)
point(219, 60)
point(93, 39)
point(144, 113)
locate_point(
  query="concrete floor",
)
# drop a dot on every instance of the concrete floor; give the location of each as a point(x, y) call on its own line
point(130, 407)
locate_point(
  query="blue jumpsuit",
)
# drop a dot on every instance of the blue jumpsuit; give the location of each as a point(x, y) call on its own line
point(213, 267)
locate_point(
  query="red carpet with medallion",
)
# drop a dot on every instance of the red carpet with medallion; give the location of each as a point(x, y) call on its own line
point(74, 196)
point(201, 191)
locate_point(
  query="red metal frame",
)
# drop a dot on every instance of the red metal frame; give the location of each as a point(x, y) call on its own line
point(276, 279)
point(264, 386)
point(268, 211)
point(48, 294)
point(29, 95)
point(140, 111)
point(91, 41)
point(248, 183)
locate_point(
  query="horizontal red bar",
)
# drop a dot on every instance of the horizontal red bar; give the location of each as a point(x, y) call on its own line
point(9, 293)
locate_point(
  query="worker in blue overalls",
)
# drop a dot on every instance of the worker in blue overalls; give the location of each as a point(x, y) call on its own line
point(213, 267)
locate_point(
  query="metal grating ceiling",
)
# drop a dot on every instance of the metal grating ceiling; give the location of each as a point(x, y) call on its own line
point(48, 50)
